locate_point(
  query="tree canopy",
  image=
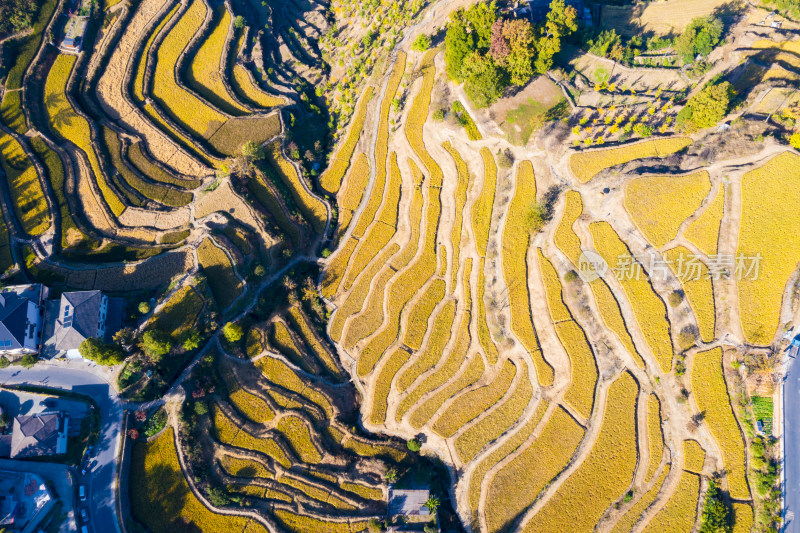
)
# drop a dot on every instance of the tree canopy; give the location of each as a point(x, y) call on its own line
point(101, 352)
point(707, 107)
point(487, 52)
point(155, 344)
point(699, 37)
point(716, 514)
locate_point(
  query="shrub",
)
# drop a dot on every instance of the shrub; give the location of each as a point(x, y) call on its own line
point(155, 344)
point(421, 43)
point(28, 360)
point(414, 445)
point(706, 108)
point(100, 352)
point(439, 116)
point(642, 130)
point(144, 307)
point(232, 332)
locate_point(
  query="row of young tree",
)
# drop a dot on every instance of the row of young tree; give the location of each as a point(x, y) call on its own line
point(489, 53)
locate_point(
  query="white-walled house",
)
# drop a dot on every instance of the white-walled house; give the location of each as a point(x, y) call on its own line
point(78, 315)
point(21, 317)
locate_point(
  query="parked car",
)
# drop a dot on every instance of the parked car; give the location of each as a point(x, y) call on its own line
point(82, 493)
point(84, 529)
point(84, 515)
point(51, 403)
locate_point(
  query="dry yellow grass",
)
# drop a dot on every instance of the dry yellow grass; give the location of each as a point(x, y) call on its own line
point(306, 524)
point(655, 438)
point(680, 511)
point(239, 467)
point(141, 64)
point(583, 369)
point(659, 204)
point(224, 284)
point(300, 323)
point(711, 395)
point(585, 165)
point(72, 126)
point(694, 456)
point(629, 519)
point(471, 404)
point(770, 229)
point(704, 230)
point(30, 206)
point(279, 373)
point(251, 406)
point(331, 179)
point(698, 289)
point(160, 495)
point(516, 241)
point(205, 69)
point(650, 311)
point(518, 483)
point(417, 116)
point(500, 420)
point(604, 475)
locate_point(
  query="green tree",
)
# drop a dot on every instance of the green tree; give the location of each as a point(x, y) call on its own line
point(707, 107)
point(232, 332)
point(155, 344)
point(480, 18)
point(520, 38)
point(100, 352)
point(642, 130)
point(794, 140)
point(484, 82)
point(458, 44)
point(239, 22)
point(716, 514)
point(699, 37)
point(421, 43)
point(391, 475)
point(561, 21)
point(253, 151)
point(414, 445)
point(191, 340)
point(144, 307)
point(432, 503)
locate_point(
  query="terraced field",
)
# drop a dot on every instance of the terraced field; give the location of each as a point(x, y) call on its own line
point(343, 273)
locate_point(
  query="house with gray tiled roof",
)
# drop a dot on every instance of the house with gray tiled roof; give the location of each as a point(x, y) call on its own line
point(77, 316)
point(39, 435)
point(21, 319)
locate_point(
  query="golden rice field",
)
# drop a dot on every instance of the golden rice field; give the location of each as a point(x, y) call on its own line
point(30, 205)
point(584, 496)
point(428, 356)
point(517, 485)
point(245, 84)
point(712, 399)
point(632, 516)
point(72, 126)
point(161, 497)
point(331, 179)
point(585, 165)
point(565, 238)
point(768, 229)
point(651, 313)
point(679, 513)
point(583, 369)
point(655, 437)
point(697, 286)
point(694, 456)
point(482, 208)
point(516, 241)
point(461, 199)
point(704, 230)
point(313, 207)
point(659, 204)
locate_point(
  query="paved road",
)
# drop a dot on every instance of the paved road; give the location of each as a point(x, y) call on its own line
point(85, 378)
point(791, 446)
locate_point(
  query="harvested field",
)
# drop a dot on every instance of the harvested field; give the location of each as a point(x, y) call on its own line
point(224, 284)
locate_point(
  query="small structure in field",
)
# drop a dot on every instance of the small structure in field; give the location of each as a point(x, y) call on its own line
point(75, 28)
point(410, 503)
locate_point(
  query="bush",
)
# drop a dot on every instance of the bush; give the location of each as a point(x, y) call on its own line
point(144, 307)
point(421, 43)
point(100, 352)
point(155, 423)
point(414, 445)
point(28, 360)
point(706, 108)
point(675, 298)
point(438, 115)
point(233, 332)
point(642, 130)
point(699, 38)
point(155, 344)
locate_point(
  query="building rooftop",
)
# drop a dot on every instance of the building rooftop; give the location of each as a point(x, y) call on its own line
point(38, 435)
point(408, 502)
